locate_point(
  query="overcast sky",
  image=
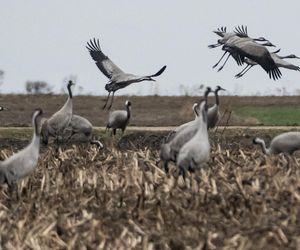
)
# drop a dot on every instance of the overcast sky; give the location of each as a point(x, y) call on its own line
point(45, 40)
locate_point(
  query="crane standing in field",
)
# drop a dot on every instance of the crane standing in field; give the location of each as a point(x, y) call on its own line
point(60, 120)
point(79, 127)
point(170, 150)
point(21, 164)
point(196, 151)
point(287, 142)
point(119, 119)
point(118, 78)
point(213, 113)
point(182, 126)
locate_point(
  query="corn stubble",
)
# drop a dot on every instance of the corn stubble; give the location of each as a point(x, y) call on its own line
point(82, 198)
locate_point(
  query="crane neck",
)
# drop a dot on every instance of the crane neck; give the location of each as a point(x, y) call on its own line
point(217, 97)
point(204, 113)
point(128, 108)
point(70, 91)
point(263, 147)
point(36, 131)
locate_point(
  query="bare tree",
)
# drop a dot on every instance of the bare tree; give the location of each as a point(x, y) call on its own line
point(38, 87)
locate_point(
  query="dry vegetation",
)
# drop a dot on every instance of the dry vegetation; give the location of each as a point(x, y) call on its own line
point(119, 198)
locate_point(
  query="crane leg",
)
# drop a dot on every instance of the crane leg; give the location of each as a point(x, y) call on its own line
point(220, 59)
point(106, 100)
point(224, 63)
point(182, 172)
point(241, 72)
point(112, 99)
point(166, 167)
point(244, 71)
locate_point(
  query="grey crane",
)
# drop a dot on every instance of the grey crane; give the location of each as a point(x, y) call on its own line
point(236, 56)
point(119, 119)
point(118, 79)
point(240, 34)
point(196, 151)
point(182, 126)
point(277, 59)
point(79, 127)
point(256, 52)
point(222, 32)
point(82, 128)
point(170, 150)
point(287, 142)
point(22, 163)
point(60, 120)
point(213, 112)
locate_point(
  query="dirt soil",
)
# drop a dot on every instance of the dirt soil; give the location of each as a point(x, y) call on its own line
point(146, 111)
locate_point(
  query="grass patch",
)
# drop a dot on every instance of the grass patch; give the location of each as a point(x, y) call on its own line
point(272, 115)
point(16, 133)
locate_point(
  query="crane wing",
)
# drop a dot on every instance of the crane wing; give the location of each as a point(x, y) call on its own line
point(260, 55)
point(107, 67)
point(220, 31)
point(241, 31)
point(159, 72)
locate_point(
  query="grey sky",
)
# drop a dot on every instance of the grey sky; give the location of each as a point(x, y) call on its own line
point(45, 40)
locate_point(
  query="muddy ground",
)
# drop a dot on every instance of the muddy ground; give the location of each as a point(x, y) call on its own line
point(131, 140)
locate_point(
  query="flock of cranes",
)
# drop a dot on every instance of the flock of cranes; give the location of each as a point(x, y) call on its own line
point(188, 146)
point(252, 51)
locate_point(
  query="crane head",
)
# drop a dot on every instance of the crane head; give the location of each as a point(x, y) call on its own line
point(218, 88)
point(269, 44)
point(257, 141)
point(293, 56)
point(207, 91)
point(261, 39)
point(3, 108)
point(70, 83)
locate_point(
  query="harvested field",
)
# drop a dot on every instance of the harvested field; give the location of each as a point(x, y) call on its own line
point(119, 198)
point(146, 111)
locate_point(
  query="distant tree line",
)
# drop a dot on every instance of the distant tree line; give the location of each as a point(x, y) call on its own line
point(38, 87)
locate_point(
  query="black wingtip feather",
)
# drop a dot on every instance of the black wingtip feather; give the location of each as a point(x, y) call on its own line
point(160, 71)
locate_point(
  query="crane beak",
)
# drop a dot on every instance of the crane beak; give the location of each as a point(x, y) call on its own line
point(222, 89)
